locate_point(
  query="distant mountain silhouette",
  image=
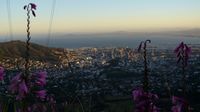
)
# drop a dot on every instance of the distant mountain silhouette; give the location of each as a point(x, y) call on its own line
point(16, 49)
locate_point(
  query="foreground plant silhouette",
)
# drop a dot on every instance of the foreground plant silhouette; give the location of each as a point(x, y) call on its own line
point(144, 100)
point(1, 73)
point(27, 88)
point(19, 83)
point(145, 80)
point(29, 8)
point(180, 103)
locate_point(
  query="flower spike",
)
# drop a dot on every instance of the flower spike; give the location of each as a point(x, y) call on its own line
point(1, 73)
point(33, 6)
point(182, 53)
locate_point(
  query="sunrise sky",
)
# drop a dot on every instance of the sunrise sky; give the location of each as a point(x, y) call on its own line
point(73, 16)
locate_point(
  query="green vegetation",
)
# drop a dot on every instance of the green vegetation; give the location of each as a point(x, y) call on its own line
point(119, 73)
point(16, 49)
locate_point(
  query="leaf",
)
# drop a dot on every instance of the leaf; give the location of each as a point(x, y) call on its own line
point(178, 54)
point(25, 7)
point(179, 47)
point(179, 59)
point(33, 13)
point(140, 46)
point(187, 49)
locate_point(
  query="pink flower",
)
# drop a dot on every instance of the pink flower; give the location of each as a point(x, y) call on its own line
point(14, 83)
point(144, 101)
point(179, 47)
point(41, 82)
point(180, 104)
point(33, 6)
point(1, 73)
point(42, 74)
point(41, 94)
point(187, 49)
point(137, 94)
point(187, 53)
point(176, 108)
point(41, 78)
point(176, 100)
point(22, 90)
point(182, 53)
point(19, 86)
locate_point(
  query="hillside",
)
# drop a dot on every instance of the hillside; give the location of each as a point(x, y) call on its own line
point(16, 49)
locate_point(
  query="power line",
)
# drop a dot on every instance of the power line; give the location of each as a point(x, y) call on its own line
point(50, 26)
point(9, 19)
point(50, 22)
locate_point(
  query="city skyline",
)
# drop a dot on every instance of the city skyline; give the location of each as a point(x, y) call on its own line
point(102, 16)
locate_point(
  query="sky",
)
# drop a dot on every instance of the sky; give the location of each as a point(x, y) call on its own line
point(75, 16)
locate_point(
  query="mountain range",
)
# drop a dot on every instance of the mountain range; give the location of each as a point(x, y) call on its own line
point(167, 38)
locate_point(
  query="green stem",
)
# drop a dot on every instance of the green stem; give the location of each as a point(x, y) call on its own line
point(27, 58)
point(145, 72)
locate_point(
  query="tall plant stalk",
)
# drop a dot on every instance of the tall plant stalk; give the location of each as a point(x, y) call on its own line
point(29, 8)
point(145, 79)
point(182, 52)
point(183, 74)
point(27, 43)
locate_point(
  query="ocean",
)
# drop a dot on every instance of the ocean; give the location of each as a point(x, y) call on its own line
point(131, 41)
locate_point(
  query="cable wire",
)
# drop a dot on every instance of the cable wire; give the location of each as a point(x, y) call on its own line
point(9, 19)
point(50, 22)
point(50, 29)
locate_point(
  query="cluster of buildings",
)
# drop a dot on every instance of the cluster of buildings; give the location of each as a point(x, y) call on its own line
point(115, 71)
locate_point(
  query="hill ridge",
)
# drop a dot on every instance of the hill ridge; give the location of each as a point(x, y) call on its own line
point(17, 48)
